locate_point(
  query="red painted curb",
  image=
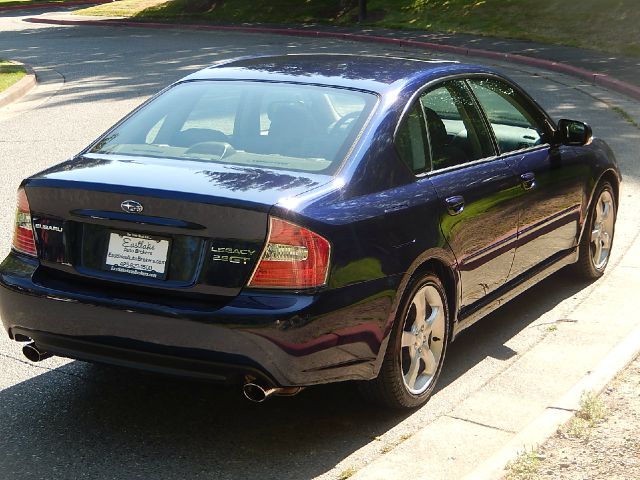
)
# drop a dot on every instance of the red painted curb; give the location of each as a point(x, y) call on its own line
point(601, 79)
point(52, 4)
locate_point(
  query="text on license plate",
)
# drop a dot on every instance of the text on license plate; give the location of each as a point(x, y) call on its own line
point(137, 254)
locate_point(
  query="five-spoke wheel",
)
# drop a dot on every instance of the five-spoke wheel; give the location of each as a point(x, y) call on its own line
point(597, 239)
point(602, 229)
point(422, 339)
point(416, 349)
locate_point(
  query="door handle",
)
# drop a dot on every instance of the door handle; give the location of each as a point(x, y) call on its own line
point(455, 204)
point(528, 180)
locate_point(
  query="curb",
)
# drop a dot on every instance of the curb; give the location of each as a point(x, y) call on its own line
point(560, 411)
point(31, 6)
point(600, 79)
point(20, 88)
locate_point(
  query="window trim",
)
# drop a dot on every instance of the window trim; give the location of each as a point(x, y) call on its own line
point(546, 120)
point(499, 155)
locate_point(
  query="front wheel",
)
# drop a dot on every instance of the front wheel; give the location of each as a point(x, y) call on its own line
point(416, 349)
point(597, 238)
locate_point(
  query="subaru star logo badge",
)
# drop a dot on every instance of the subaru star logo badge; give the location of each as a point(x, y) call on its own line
point(131, 206)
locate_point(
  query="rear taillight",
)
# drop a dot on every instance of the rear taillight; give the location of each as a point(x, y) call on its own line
point(23, 240)
point(293, 257)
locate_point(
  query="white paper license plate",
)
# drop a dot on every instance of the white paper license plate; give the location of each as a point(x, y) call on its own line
point(137, 254)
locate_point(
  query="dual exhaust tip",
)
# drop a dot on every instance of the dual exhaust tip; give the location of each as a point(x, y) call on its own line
point(252, 391)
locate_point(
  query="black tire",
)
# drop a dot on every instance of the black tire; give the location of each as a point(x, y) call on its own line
point(587, 266)
point(390, 387)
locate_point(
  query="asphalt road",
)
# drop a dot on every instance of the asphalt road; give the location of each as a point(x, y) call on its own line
point(68, 419)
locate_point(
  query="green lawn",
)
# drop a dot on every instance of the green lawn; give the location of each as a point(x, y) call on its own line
point(121, 8)
point(9, 74)
point(606, 25)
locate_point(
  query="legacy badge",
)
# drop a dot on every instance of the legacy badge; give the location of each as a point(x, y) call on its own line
point(232, 255)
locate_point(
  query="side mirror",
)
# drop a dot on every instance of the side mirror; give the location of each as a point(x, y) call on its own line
point(573, 132)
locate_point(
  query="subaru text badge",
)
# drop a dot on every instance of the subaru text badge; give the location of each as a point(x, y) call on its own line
point(131, 206)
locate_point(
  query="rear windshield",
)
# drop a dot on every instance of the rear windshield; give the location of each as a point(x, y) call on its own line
point(276, 125)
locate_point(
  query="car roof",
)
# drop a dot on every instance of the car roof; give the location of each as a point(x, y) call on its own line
point(364, 72)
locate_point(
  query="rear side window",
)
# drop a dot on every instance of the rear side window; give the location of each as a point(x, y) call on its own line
point(289, 126)
point(411, 141)
point(515, 122)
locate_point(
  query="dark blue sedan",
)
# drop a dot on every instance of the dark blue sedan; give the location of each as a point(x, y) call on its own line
point(280, 222)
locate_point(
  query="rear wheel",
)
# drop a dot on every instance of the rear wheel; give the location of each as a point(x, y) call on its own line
point(416, 349)
point(597, 239)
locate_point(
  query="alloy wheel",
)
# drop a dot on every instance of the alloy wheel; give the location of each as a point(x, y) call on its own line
point(602, 230)
point(423, 339)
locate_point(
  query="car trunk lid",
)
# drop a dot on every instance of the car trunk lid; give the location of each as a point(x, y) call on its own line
point(191, 228)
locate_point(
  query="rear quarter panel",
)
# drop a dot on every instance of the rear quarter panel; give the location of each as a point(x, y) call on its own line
point(378, 239)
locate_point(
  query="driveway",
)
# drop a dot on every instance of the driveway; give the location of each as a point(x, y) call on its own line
point(69, 419)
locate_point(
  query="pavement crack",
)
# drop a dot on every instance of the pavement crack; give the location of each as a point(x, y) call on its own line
point(481, 424)
point(563, 409)
point(19, 360)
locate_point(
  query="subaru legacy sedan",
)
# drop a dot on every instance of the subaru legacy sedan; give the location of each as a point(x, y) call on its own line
point(281, 222)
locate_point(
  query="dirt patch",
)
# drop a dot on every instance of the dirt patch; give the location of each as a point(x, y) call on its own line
point(609, 449)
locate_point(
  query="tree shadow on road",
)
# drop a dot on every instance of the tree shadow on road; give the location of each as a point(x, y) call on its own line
point(110, 64)
point(105, 422)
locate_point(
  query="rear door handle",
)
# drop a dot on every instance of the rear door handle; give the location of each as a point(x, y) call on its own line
point(528, 180)
point(455, 204)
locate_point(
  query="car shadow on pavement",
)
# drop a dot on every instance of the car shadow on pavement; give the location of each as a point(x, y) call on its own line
point(92, 421)
point(490, 336)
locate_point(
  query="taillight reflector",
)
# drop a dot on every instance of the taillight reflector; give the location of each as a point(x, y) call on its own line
point(293, 257)
point(23, 239)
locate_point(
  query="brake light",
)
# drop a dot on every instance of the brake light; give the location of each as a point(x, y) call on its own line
point(23, 239)
point(293, 257)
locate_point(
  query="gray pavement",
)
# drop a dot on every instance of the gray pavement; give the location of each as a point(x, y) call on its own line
point(623, 68)
point(67, 419)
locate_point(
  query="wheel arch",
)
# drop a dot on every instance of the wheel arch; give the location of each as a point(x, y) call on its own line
point(613, 178)
point(448, 278)
point(439, 262)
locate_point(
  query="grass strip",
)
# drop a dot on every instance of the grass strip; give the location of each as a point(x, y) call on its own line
point(10, 73)
point(548, 21)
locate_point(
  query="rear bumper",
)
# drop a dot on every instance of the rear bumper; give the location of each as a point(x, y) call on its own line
point(281, 338)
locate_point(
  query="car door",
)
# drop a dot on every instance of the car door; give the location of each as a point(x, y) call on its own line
point(477, 191)
point(550, 178)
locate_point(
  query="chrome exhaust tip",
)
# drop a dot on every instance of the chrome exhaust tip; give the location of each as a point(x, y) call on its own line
point(258, 394)
point(33, 353)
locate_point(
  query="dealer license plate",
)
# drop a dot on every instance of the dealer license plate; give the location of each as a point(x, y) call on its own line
point(137, 254)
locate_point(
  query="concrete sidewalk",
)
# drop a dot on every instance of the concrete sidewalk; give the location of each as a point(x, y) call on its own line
point(512, 413)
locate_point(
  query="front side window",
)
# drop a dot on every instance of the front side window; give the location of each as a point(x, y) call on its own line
point(456, 131)
point(288, 126)
point(516, 123)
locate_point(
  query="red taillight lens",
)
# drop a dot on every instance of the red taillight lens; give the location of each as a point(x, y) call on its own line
point(23, 240)
point(293, 257)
